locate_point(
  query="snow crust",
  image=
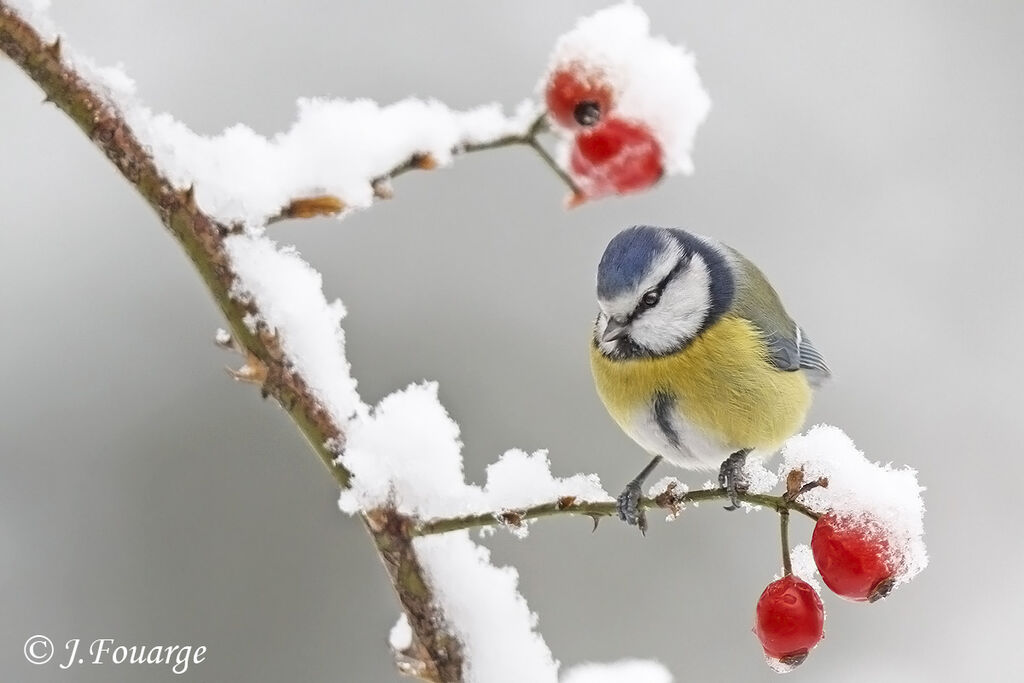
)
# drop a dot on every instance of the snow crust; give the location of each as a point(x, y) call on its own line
point(802, 561)
point(407, 453)
point(631, 670)
point(400, 636)
point(653, 81)
point(486, 612)
point(863, 492)
point(334, 147)
point(289, 294)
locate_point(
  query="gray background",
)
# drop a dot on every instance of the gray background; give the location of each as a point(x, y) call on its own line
point(866, 154)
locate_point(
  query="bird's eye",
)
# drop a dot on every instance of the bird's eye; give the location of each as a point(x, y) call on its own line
point(651, 298)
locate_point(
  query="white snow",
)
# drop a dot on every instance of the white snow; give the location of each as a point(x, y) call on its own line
point(802, 561)
point(289, 294)
point(485, 610)
point(520, 480)
point(400, 637)
point(622, 671)
point(760, 479)
point(407, 453)
point(862, 491)
point(653, 81)
point(334, 147)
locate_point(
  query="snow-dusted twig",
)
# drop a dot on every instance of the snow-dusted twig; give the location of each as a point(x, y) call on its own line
point(569, 505)
point(328, 205)
point(437, 651)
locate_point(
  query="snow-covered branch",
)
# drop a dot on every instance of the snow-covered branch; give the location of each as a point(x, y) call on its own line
point(329, 205)
point(399, 464)
point(217, 194)
point(215, 252)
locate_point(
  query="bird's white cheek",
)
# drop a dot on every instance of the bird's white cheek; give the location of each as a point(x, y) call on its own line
point(670, 326)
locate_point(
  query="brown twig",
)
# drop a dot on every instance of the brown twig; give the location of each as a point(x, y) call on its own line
point(203, 240)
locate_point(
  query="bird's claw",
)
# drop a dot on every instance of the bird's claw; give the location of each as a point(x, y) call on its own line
point(733, 478)
point(629, 508)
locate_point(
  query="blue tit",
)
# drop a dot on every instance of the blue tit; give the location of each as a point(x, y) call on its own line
point(695, 357)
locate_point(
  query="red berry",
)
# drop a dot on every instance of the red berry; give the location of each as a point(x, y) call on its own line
point(577, 96)
point(790, 619)
point(854, 557)
point(615, 157)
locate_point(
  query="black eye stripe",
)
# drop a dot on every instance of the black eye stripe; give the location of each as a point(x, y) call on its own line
point(660, 287)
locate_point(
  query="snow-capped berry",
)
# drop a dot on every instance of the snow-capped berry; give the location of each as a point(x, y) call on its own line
point(854, 557)
point(615, 157)
point(578, 97)
point(789, 620)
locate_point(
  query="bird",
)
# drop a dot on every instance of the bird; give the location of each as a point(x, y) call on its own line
point(695, 357)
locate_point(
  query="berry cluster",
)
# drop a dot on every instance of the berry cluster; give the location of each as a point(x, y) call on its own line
point(856, 561)
point(609, 154)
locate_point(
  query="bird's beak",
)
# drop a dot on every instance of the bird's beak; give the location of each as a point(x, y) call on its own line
point(615, 330)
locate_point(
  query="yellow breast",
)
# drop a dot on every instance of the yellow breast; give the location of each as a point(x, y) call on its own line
point(722, 382)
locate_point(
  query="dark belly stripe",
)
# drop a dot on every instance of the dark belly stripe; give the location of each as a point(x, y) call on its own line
point(663, 406)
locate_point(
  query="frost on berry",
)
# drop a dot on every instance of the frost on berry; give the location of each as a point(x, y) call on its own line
point(854, 557)
point(876, 508)
point(612, 54)
point(789, 620)
point(615, 157)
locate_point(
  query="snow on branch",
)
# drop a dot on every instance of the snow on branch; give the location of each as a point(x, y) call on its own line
point(216, 195)
point(399, 464)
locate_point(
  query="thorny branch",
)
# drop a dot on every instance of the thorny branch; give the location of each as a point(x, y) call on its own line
point(568, 505)
point(435, 654)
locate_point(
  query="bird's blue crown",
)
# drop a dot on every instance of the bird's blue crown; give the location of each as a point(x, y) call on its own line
point(628, 257)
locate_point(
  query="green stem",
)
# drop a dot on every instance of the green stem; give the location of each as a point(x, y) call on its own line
point(787, 564)
point(596, 510)
point(531, 139)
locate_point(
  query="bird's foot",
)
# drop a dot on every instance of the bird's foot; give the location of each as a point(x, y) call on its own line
point(732, 477)
point(629, 508)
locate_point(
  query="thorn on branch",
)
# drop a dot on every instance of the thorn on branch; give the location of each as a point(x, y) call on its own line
point(412, 667)
point(254, 371)
point(54, 48)
point(188, 195)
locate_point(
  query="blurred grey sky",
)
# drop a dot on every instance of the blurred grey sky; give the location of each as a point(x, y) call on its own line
point(868, 155)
